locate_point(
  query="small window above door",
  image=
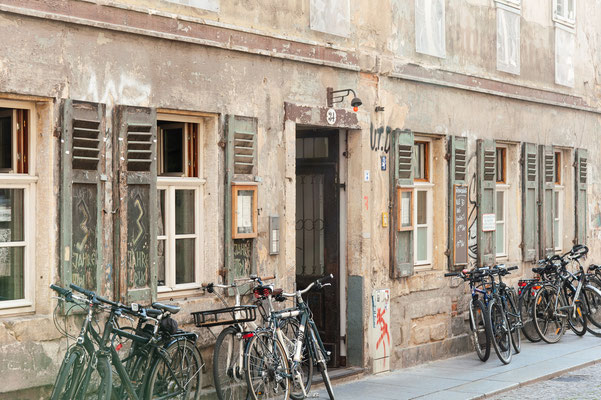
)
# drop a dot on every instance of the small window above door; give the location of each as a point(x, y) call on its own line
point(178, 149)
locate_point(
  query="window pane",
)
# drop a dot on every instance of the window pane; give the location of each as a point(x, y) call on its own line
point(556, 205)
point(161, 261)
point(173, 150)
point(500, 165)
point(244, 211)
point(6, 136)
point(500, 206)
point(500, 237)
point(556, 238)
point(161, 201)
point(184, 212)
point(422, 204)
point(11, 273)
point(11, 215)
point(419, 160)
point(184, 260)
point(557, 178)
point(422, 244)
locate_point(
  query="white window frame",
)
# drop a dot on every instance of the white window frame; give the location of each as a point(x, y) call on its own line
point(563, 18)
point(502, 187)
point(170, 184)
point(428, 187)
point(27, 182)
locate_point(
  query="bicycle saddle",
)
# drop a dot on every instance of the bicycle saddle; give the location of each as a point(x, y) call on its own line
point(594, 267)
point(538, 270)
point(167, 307)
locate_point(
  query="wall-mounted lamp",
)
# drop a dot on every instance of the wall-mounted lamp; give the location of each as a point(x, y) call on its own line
point(337, 96)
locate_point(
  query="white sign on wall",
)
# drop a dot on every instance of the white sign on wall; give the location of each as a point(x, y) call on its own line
point(489, 222)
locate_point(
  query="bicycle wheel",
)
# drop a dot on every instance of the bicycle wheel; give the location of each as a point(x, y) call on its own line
point(266, 367)
point(526, 304)
point(576, 318)
point(480, 327)
point(515, 320)
point(289, 327)
point(591, 299)
point(230, 383)
point(500, 332)
point(70, 374)
point(177, 373)
point(549, 322)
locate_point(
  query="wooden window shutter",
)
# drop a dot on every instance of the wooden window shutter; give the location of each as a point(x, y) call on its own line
point(402, 176)
point(486, 198)
point(529, 201)
point(545, 200)
point(457, 151)
point(581, 175)
point(135, 198)
point(82, 194)
point(241, 165)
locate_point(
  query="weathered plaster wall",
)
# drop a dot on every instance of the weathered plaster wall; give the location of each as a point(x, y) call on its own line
point(428, 311)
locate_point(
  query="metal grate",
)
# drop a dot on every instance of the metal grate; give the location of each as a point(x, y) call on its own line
point(86, 153)
point(460, 164)
point(244, 152)
point(583, 172)
point(405, 161)
point(549, 165)
point(531, 167)
point(489, 165)
point(139, 147)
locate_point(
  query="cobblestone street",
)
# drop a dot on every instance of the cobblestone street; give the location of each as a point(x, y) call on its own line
point(581, 384)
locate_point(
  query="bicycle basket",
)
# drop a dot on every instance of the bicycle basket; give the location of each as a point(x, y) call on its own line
point(225, 316)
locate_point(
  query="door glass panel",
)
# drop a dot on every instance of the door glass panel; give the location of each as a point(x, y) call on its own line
point(184, 212)
point(11, 273)
point(309, 225)
point(422, 207)
point(422, 243)
point(184, 260)
point(173, 150)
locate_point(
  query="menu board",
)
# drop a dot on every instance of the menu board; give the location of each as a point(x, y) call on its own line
point(460, 231)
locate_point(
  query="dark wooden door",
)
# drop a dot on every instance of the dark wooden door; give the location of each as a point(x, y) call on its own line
point(317, 232)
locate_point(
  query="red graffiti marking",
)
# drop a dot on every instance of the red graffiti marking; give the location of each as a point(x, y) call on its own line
point(383, 329)
point(366, 202)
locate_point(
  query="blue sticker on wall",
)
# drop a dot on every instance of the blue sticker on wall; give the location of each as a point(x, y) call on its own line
point(383, 163)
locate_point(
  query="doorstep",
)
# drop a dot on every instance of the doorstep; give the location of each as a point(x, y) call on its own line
point(338, 375)
point(466, 377)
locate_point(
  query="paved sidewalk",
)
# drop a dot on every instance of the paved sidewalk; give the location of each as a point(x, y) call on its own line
point(466, 377)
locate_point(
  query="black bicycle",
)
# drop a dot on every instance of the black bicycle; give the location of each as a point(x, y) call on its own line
point(163, 362)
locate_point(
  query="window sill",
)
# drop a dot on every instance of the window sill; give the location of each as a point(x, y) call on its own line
point(180, 181)
point(423, 266)
point(18, 179)
point(187, 290)
point(12, 307)
point(501, 257)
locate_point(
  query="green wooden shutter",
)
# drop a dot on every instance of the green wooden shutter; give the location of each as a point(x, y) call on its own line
point(545, 200)
point(402, 176)
point(486, 198)
point(241, 165)
point(82, 193)
point(529, 201)
point(135, 198)
point(457, 152)
point(581, 174)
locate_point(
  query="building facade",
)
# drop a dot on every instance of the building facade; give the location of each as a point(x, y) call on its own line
point(149, 146)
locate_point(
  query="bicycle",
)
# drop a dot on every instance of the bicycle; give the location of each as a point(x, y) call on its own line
point(505, 315)
point(479, 322)
point(228, 353)
point(172, 369)
point(551, 307)
point(267, 355)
